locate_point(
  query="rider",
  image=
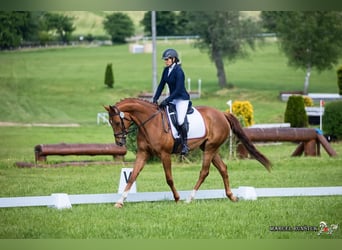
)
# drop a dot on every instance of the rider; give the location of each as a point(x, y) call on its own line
point(173, 76)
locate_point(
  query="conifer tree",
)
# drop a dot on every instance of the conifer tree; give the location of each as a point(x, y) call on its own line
point(295, 113)
point(109, 77)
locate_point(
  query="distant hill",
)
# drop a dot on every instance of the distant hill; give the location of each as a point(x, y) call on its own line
point(90, 22)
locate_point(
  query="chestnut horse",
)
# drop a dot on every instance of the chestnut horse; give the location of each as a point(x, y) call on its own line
point(154, 137)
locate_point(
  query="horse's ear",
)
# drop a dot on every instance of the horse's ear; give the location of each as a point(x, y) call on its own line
point(106, 108)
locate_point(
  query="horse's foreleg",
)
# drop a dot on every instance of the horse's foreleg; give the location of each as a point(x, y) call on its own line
point(222, 168)
point(203, 174)
point(166, 160)
point(138, 166)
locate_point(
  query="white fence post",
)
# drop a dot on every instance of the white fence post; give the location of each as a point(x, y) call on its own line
point(103, 117)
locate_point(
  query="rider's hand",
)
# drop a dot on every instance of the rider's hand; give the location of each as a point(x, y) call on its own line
point(163, 104)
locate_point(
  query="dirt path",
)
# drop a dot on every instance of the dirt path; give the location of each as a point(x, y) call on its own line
point(16, 124)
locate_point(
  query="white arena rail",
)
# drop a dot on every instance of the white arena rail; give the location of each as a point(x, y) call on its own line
point(62, 200)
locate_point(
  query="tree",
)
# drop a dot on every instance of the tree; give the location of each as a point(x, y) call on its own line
point(310, 39)
point(165, 23)
point(119, 26)
point(223, 34)
point(31, 27)
point(15, 27)
point(339, 79)
point(182, 23)
point(269, 20)
point(109, 77)
point(61, 24)
point(295, 112)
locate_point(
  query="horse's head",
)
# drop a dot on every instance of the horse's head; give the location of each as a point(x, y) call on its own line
point(120, 122)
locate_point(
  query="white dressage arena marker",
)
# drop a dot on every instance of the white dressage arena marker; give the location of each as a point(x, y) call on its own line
point(124, 176)
point(61, 201)
point(247, 193)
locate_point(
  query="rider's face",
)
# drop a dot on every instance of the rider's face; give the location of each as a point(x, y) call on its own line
point(168, 62)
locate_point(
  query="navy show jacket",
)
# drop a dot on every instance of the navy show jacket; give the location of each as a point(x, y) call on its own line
point(176, 83)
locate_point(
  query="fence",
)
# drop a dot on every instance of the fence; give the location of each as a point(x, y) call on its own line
point(62, 200)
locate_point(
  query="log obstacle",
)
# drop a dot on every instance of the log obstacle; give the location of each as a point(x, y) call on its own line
point(43, 150)
point(309, 140)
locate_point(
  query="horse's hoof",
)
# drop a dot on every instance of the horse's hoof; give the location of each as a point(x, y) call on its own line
point(189, 200)
point(118, 205)
point(234, 198)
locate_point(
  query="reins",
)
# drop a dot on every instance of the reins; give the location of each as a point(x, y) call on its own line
point(148, 119)
point(125, 131)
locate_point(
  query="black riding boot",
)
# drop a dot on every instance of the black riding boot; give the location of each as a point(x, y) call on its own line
point(184, 139)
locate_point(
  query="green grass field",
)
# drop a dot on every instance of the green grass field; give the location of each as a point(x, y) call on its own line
point(65, 85)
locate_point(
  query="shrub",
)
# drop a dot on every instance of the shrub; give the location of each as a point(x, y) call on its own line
point(308, 102)
point(339, 79)
point(89, 38)
point(243, 110)
point(295, 112)
point(332, 119)
point(109, 77)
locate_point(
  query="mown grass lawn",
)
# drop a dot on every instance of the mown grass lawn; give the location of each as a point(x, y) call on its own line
point(202, 219)
point(205, 219)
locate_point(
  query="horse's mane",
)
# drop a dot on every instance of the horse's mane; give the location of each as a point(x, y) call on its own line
point(134, 99)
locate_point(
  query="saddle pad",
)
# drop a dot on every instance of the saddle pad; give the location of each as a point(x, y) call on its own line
point(196, 125)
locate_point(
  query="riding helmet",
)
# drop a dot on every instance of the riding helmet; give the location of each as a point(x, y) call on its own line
point(170, 53)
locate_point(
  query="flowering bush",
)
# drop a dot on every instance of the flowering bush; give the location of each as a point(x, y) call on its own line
point(243, 110)
point(308, 102)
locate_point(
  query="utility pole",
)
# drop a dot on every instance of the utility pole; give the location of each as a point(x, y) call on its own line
point(154, 51)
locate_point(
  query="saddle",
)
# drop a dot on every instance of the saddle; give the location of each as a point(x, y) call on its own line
point(193, 120)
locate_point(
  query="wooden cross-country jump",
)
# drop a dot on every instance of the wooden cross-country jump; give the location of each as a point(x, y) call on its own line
point(43, 150)
point(309, 140)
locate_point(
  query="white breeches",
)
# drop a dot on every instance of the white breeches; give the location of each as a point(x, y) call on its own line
point(182, 108)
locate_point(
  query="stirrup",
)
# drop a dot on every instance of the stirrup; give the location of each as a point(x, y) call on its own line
point(185, 149)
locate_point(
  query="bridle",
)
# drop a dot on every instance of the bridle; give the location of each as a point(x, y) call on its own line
point(126, 130)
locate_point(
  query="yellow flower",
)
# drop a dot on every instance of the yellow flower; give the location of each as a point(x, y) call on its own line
point(243, 110)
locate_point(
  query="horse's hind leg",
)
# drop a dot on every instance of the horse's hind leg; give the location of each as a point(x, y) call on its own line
point(222, 168)
point(203, 174)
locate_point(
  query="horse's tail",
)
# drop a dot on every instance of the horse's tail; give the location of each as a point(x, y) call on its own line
point(238, 131)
